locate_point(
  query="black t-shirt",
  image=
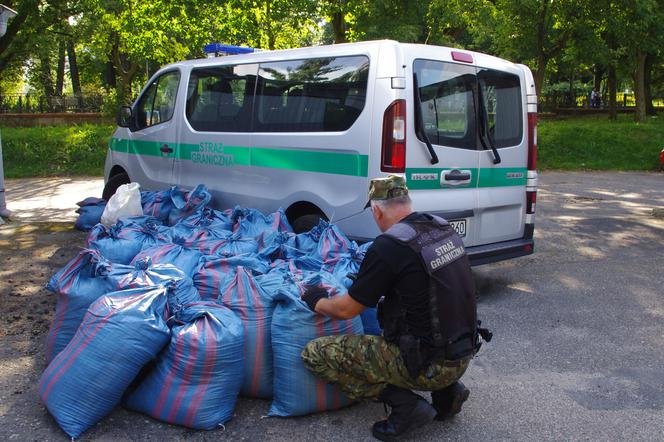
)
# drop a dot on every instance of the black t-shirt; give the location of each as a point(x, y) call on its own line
point(389, 267)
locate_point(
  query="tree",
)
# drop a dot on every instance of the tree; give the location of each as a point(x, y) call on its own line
point(535, 31)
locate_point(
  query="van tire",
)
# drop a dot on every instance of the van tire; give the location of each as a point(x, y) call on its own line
point(113, 183)
point(305, 223)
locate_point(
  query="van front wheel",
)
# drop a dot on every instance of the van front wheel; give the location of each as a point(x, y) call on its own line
point(305, 223)
point(113, 183)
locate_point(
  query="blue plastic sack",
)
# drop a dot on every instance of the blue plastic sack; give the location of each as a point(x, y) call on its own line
point(188, 203)
point(121, 332)
point(121, 242)
point(183, 258)
point(89, 213)
point(159, 204)
point(213, 272)
point(242, 294)
point(143, 273)
point(304, 244)
point(230, 246)
point(195, 382)
point(296, 390)
point(249, 223)
point(192, 234)
point(333, 243)
point(209, 218)
point(77, 285)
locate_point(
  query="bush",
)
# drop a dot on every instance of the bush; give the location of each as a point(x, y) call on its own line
point(55, 151)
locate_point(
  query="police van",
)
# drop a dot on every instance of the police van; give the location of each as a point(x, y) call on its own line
point(306, 129)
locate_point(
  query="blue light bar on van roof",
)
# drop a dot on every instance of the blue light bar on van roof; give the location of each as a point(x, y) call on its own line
point(218, 48)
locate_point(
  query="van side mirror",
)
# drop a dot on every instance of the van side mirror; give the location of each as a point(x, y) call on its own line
point(124, 116)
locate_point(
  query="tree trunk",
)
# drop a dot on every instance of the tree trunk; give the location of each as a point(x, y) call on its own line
point(60, 75)
point(73, 68)
point(339, 27)
point(612, 85)
point(125, 71)
point(597, 77)
point(540, 71)
point(639, 87)
point(650, 109)
point(109, 75)
point(46, 75)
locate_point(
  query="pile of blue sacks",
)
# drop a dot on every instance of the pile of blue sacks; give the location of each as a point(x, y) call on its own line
point(177, 312)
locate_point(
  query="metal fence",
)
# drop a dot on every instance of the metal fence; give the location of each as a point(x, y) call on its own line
point(30, 103)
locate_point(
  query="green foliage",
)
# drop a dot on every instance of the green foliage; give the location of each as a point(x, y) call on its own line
point(595, 143)
point(55, 151)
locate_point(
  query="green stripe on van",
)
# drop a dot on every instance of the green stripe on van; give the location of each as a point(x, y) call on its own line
point(429, 178)
point(339, 163)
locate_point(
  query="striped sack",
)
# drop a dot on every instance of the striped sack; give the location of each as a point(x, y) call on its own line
point(77, 285)
point(121, 332)
point(296, 390)
point(195, 380)
point(242, 294)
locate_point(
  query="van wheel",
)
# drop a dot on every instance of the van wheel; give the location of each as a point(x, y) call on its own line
point(113, 183)
point(305, 223)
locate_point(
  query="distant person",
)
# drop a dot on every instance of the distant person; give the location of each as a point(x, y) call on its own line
point(428, 315)
point(594, 98)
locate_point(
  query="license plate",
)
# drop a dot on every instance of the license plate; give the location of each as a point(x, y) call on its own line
point(460, 226)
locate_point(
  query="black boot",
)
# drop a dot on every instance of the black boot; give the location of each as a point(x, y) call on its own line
point(449, 400)
point(409, 411)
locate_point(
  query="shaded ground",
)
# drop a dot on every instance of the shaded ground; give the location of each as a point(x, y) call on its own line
point(579, 331)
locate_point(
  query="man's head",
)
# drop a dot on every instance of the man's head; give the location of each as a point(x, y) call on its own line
point(389, 200)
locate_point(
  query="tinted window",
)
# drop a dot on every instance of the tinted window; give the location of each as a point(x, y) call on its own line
point(502, 99)
point(219, 98)
point(447, 102)
point(157, 104)
point(322, 94)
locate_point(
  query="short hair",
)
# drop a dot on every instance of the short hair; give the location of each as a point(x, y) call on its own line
point(397, 201)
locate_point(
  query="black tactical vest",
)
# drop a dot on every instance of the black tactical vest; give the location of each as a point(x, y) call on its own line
point(451, 296)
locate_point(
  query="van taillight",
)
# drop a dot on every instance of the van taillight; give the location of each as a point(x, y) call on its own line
point(393, 155)
point(532, 141)
point(531, 199)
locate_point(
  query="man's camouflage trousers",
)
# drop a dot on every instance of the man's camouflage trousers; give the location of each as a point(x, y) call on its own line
point(363, 365)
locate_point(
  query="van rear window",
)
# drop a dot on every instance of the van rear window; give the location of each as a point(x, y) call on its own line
point(312, 95)
point(449, 104)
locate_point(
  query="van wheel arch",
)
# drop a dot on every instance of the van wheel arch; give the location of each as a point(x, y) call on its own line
point(304, 216)
point(116, 178)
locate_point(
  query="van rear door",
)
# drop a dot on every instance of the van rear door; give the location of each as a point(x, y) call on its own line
point(446, 117)
point(502, 184)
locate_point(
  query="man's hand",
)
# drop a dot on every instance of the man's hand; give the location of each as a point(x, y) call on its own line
point(312, 295)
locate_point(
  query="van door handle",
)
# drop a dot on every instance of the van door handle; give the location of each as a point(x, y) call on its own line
point(166, 149)
point(457, 175)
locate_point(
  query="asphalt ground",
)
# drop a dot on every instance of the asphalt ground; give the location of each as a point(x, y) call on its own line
point(577, 354)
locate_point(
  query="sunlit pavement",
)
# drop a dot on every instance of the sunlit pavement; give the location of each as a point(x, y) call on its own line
point(49, 199)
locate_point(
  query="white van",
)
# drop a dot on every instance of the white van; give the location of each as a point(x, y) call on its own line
point(305, 129)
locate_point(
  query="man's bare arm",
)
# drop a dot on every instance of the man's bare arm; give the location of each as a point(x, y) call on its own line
point(339, 307)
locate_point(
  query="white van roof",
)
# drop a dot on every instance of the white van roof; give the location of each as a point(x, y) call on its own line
point(388, 48)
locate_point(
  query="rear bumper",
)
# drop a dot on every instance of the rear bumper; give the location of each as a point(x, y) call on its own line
point(500, 251)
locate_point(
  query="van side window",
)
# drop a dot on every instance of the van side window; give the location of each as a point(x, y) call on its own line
point(448, 107)
point(312, 95)
point(157, 104)
point(502, 100)
point(219, 98)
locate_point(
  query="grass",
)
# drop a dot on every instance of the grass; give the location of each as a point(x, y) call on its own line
point(595, 143)
point(55, 151)
point(575, 143)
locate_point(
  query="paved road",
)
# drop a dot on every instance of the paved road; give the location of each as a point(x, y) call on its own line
point(49, 199)
point(578, 351)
